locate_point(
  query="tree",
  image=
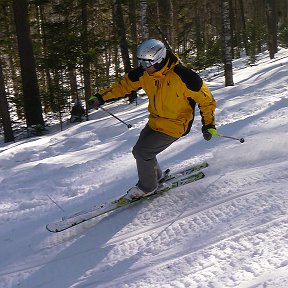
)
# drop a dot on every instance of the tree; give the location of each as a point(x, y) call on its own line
point(144, 30)
point(4, 110)
point(271, 15)
point(133, 30)
point(228, 71)
point(85, 50)
point(32, 103)
point(166, 21)
point(121, 35)
point(76, 43)
point(244, 33)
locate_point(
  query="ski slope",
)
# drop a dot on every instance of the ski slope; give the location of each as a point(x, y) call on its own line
point(229, 229)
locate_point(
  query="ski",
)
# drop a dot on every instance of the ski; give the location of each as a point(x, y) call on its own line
point(183, 172)
point(171, 181)
point(166, 177)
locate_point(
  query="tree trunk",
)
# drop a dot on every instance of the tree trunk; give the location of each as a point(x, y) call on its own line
point(4, 110)
point(232, 27)
point(47, 78)
point(121, 34)
point(12, 63)
point(227, 44)
point(244, 33)
point(271, 14)
point(144, 20)
point(199, 32)
point(85, 49)
point(73, 84)
point(165, 16)
point(32, 102)
point(133, 28)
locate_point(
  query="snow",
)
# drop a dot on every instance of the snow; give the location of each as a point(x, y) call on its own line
point(229, 229)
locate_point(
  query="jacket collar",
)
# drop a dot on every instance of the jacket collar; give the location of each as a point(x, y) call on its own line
point(171, 63)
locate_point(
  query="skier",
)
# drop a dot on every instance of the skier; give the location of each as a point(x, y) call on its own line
point(77, 112)
point(173, 91)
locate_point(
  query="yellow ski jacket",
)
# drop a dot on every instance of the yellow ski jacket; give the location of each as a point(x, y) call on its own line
point(173, 92)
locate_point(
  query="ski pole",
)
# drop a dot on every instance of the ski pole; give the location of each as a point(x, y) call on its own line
point(229, 137)
point(128, 125)
point(52, 200)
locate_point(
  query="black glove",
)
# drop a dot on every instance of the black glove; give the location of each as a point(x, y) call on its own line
point(95, 101)
point(209, 131)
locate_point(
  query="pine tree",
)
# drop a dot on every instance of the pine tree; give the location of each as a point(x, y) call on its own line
point(228, 70)
point(4, 110)
point(32, 102)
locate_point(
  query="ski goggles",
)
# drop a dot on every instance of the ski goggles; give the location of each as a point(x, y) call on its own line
point(145, 63)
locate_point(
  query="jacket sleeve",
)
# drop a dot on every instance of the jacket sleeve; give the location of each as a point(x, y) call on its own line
point(206, 104)
point(198, 91)
point(129, 83)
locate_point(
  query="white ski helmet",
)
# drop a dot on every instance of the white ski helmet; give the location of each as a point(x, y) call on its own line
point(150, 52)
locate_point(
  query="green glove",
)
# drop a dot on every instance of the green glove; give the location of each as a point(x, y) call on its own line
point(95, 101)
point(212, 131)
point(208, 133)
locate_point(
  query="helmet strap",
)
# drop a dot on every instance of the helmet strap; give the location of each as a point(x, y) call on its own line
point(159, 66)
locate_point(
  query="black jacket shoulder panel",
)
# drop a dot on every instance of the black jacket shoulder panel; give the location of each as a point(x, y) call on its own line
point(135, 74)
point(191, 79)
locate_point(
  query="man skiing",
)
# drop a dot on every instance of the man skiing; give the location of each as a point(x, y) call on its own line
point(173, 91)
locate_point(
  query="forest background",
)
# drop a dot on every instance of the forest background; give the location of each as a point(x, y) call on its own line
point(55, 53)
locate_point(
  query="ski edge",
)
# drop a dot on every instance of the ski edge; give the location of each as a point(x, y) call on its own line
point(184, 177)
point(168, 178)
point(86, 217)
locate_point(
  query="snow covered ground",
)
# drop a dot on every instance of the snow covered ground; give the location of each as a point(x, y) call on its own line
point(229, 229)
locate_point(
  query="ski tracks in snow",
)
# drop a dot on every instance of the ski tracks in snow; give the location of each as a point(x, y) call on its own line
point(188, 237)
point(212, 233)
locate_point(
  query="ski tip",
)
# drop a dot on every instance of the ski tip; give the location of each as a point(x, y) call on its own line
point(49, 229)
